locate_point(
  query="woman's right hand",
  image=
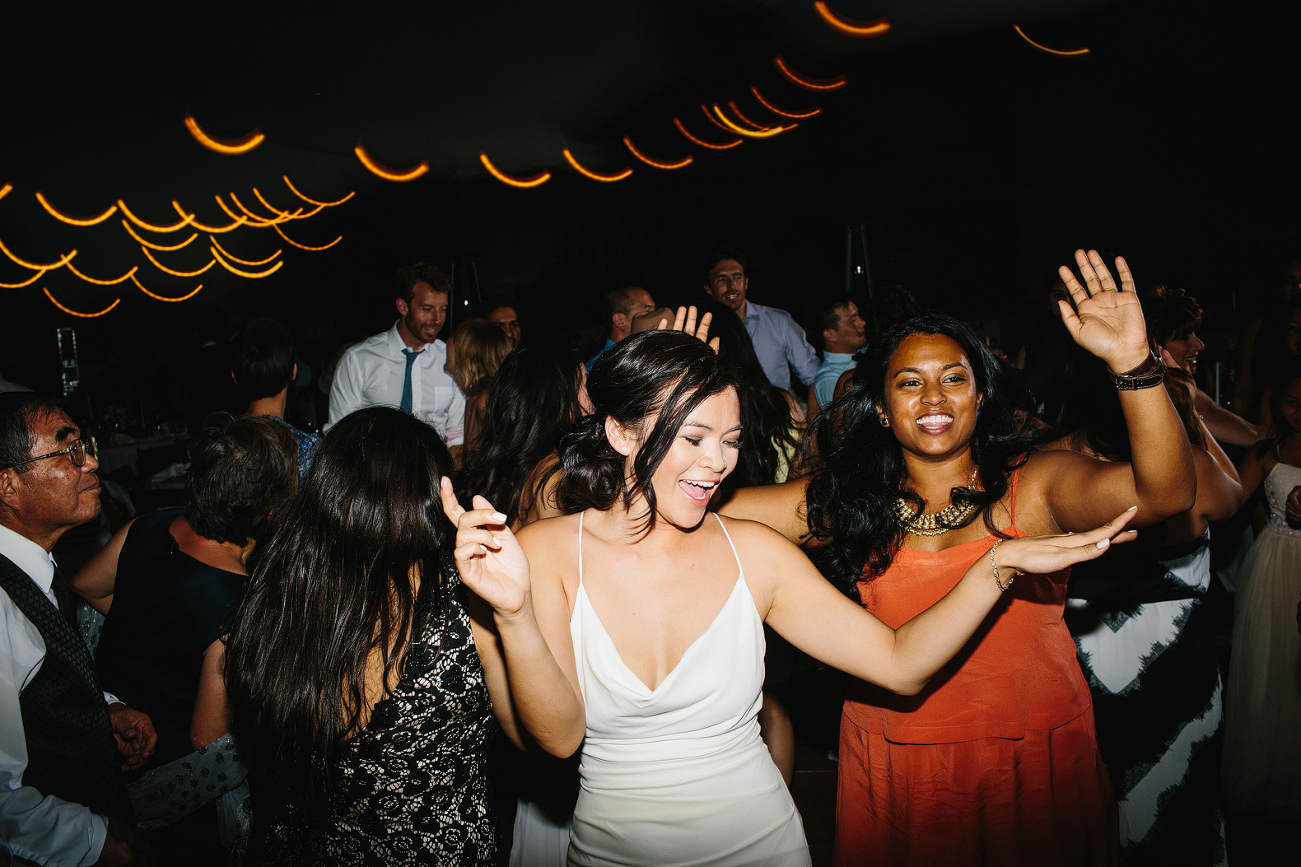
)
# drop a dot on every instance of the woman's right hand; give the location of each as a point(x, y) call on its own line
point(1106, 320)
point(1043, 555)
point(488, 555)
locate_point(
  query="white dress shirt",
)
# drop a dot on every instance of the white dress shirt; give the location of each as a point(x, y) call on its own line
point(44, 829)
point(371, 373)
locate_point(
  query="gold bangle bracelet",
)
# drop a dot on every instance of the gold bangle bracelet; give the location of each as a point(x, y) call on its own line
point(1002, 588)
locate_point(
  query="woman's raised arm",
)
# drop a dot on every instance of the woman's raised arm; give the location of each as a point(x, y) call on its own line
point(1108, 321)
point(528, 659)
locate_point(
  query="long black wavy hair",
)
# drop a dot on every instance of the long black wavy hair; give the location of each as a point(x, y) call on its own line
point(532, 403)
point(765, 412)
point(859, 467)
point(333, 587)
point(649, 382)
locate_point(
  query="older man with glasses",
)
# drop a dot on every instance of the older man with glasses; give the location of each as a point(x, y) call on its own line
point(62, 741)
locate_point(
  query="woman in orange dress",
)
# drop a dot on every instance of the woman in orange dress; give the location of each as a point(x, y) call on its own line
point(922, 469)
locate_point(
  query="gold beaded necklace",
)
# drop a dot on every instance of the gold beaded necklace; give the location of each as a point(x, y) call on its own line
point(939, 522)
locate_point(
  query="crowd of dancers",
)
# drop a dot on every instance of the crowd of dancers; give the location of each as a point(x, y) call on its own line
point(329, 640)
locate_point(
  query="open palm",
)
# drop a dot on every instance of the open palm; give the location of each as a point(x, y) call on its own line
point(1106, 320)
point(488, 556)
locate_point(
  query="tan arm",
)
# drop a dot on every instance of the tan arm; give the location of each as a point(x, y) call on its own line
point(95, 581)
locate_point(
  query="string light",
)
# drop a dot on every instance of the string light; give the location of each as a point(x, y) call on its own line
point(276, 211)
point(113, 282)
point(294, 190)
point(221, 145)
point(704, 144)
point(185, 221)
point(523, 183)
point(211, 230)
point(775, 110)
point(685, 161)
point(141, 287)
point(226, 253)
point(259, 220)
point(151, 244)
point(749, 133)
point(72, 312)
point(38, 275)
point(4, 191)
point(715, 121)
point(304, 246)
point(32, 266)
point(249, 274)
point(235, 216)
point(809, 83)
point(849, 27)
point(1077, 52)
point(161, 267)
point(736, 111)
point(388, 174)
point(596, 176)
point(74, 221)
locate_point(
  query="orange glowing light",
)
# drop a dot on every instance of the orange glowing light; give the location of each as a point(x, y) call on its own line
point(38, 275)
point(704, 144)
point(32, 266)
point(211, 230)
point(775, 110)
point(1077, 52)
point(596, 176)
point(810, 83)
point(112, 282)
point(276, 211)
point(257, 219)
point(185, 221)
point(388, 174)
point(736, 111)
point(523, 183)
point(685, 161)
point(226, 253)
point(295, 191)
point(5, 190)
point(221, 145)
point(715, 121)
point(72, 312)
point(849, 27)
point(304, 246)
point(249, 274)
point(768, 132)
point(161, 267)
point(151, 244)
point(164, 297)
point(74, 221)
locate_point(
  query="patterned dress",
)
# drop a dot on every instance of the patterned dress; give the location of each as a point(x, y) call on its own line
point(1146, 643)
point(413, 784)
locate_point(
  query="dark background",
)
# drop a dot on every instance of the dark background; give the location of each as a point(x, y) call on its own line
point(975, 162)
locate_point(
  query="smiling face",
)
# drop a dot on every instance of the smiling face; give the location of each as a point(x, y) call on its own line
point(1184, 350)
point(727, 285)
point(931, 396)
point(423, 315)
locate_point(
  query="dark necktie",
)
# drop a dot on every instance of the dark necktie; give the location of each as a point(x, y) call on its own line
point(66, 599)
point(411, 354)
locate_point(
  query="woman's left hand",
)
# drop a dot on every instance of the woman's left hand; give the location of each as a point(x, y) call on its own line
point(1043, 555)
point(1106, 320)
point(685, 322)
point(488, 556)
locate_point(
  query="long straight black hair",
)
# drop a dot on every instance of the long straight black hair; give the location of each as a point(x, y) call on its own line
point(334, 586)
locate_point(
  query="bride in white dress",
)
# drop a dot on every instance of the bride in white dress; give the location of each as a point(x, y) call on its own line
point(634, 624)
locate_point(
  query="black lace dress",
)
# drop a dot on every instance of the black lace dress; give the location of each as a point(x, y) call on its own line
point(413, 784)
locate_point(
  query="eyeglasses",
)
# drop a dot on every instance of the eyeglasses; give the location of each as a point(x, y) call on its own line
point(76, 453)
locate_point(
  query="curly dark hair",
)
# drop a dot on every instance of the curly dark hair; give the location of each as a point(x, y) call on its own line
point(242, 473)
point(1170, 314)
point(859, 468)
point(404, 282)
point(650, 382)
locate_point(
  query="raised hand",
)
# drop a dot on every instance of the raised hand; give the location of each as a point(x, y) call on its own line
point(488, 555)
point(685, 322)
point(1043, 555)
point(1106, 320)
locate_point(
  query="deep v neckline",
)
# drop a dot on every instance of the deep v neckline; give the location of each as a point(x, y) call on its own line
point(718, 616)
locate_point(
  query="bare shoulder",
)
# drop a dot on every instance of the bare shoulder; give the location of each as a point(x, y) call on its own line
point(549, 534)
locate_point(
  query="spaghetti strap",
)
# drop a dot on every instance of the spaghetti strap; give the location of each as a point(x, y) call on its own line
point(580, 547)
point(730, 543)
point(1016, 475)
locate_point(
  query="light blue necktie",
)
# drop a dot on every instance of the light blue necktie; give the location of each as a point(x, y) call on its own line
point(411, 354)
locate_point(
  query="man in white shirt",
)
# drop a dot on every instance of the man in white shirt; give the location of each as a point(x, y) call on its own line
point(404, 366)
point(62, 796)
point(778, 341)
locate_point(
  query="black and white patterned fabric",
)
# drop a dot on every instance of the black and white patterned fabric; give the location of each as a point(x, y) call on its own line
point(1145, 640)
point(413, 784)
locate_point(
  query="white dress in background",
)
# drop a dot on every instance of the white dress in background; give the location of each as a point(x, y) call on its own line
point(1262, 744)
point(678, 775)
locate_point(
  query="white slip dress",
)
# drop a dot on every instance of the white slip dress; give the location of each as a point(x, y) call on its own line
point(678, 775)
